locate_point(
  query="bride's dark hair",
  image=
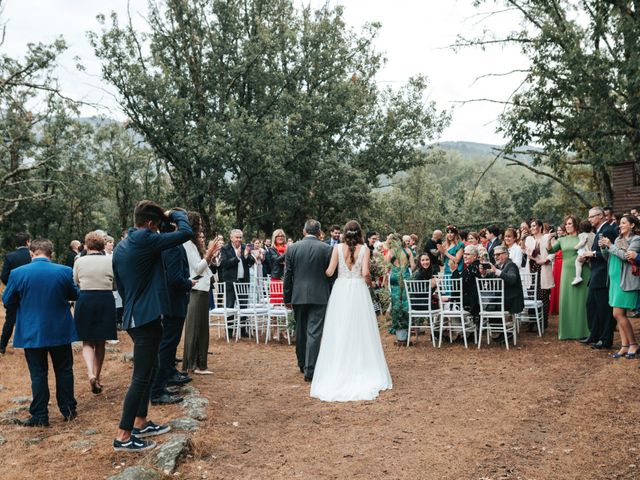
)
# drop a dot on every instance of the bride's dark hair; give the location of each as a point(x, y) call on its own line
point(352, 237)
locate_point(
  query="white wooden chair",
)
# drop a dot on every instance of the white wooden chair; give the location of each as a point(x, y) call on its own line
point(453, 316)
point(250, 312)
point(419, 295)
point(533, 307)
point(222, 316)
point(493, 317)
point(278, 312)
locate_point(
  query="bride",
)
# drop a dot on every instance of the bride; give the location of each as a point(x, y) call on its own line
point(351, 364)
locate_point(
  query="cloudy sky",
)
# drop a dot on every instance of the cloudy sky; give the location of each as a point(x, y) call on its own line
point(415, 35)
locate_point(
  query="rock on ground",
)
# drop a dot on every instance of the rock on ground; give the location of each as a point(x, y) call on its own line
point(165, 457)
point(138, 473)
point(195, 406)
point(186, 424)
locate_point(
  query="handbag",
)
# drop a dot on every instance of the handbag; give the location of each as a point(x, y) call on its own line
point(635, 268)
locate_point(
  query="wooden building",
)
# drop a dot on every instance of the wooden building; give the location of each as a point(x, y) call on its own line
point(626, 187)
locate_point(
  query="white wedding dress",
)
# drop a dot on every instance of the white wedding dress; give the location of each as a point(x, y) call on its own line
point(351, 364)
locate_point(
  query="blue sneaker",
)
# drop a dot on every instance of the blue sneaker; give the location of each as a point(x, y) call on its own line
point(133, 445)
point(150, 429)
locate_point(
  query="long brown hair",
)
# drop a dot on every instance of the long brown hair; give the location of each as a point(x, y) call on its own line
point(195, 220)
point(352, 237)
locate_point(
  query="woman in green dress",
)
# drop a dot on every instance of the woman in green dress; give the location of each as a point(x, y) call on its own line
point(402, 263)
point(623, 285)
point(572, 322)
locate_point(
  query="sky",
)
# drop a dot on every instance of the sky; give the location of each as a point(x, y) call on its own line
point(415, 36)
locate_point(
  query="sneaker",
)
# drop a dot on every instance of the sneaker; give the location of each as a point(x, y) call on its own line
point(576, 281)
point(149, 430)
point(133, 445)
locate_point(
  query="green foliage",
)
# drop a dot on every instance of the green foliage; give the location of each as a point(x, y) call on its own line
point(451, 191)
point(264, 112)
point(580, 95)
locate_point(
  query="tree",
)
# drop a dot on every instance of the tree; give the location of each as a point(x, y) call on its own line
point(263, 110)
point(579, 98)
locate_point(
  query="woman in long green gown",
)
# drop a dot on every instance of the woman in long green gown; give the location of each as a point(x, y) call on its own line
point(572, 323)
point(401, 261)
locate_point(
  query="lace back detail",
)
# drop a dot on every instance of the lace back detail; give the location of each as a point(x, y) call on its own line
point(356, 269)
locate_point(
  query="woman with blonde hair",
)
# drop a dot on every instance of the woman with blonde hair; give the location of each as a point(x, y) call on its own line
point(402, 264)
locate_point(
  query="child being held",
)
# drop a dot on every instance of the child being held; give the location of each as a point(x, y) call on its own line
point(585, 240)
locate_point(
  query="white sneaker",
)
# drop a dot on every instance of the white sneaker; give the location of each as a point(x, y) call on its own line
point(576, 281)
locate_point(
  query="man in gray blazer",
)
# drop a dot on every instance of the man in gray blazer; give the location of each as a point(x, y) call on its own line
point(307, 288)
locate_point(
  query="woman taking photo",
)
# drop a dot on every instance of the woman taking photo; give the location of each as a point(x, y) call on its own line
point(95, 312)
point(537, 249)
point(452, 250)
point(623, 285)
point(572, 319)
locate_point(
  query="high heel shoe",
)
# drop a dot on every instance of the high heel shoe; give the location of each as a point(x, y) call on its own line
point(631, 355)
point(619, 354)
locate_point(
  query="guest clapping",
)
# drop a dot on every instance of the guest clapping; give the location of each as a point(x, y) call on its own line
point(623, 285)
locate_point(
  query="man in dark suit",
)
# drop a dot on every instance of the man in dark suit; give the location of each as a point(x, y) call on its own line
point(139, 275)
point(493, 232)
point(74, 250)
point(510, 275)
point(41, 292)
point(334, 236)
point(235, 262)
point(599, 313)
point(20, 256)
point(307, 288)
point(176, 269)
point(431, 249)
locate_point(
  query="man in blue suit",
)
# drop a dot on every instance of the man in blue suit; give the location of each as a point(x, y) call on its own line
point(41, 292)
point(20, 256)
point(140, 277)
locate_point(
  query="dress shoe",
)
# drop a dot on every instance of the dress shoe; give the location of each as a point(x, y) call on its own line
point(586, 341)
point(308, 379)
point(71, 417)
point(33, 422)
point(166, 399)
point(178, 380)
point(600, 345)
point(3, 350)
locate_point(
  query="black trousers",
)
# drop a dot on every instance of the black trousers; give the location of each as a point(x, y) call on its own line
point(62, 360)
point(171, 334)
point(146, 343)
point(309, 325)
point(9, 322)
point(600, 316)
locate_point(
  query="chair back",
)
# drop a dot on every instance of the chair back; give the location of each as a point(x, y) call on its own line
point(219, 292)
point(246, 295)
point(529, 286)
point(490, 295)
point(419, 294)
point(276, 293)
point(450, 292)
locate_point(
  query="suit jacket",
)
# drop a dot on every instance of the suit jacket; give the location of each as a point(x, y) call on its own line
point(228, 266)
point(42, 291)
point(490, 247)
point(599, 276)
point(139, 271)
point(468, 275)
point(513, 294)
point(176, 269)
point(305, 281)
point(20, 256)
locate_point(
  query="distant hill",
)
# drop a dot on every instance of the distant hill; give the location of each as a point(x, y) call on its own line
point(467, 149)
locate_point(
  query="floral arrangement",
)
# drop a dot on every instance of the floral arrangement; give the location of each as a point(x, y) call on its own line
point(378, 269)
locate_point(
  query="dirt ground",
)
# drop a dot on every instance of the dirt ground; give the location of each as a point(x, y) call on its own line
point(544, 410)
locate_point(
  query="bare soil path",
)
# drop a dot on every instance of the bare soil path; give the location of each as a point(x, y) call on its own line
point(544, 410)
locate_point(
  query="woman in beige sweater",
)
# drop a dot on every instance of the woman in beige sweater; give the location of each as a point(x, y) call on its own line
point(95, 312)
